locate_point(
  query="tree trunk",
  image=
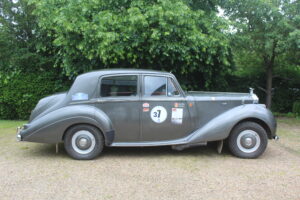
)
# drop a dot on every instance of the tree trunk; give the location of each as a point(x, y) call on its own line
point(269, 77)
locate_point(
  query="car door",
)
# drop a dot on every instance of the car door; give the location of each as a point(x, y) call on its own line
point(165, 115)
point(120, 100)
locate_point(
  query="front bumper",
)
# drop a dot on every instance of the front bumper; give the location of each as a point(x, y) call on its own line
point(19, 136)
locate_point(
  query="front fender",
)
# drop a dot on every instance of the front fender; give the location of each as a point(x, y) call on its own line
point(51, 127)
point(220, 127)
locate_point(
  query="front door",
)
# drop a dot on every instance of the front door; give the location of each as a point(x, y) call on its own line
point(120, 101)
point(165, 114)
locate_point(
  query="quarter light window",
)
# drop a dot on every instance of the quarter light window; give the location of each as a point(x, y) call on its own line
point(119, 86)
point(155, 86)
point(172, 90)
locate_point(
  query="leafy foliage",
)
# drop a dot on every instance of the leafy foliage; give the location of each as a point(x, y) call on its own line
point(45, 44)
point(168, 35)
point(296, 108)
point(265, 37)
point(26, 68)
point(20, 93)
point(20, 39)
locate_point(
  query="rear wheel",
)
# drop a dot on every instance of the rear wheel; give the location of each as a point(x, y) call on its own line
point(248, 140)
point(83, 142)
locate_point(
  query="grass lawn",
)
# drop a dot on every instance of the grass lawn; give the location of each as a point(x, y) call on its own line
point(6, 124)
point(9, 126)
point(288, 130)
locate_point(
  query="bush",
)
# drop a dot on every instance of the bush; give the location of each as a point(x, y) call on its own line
point(296, 108)
point(20, 93)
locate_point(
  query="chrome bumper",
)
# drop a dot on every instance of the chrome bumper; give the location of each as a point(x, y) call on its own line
point(19, 137)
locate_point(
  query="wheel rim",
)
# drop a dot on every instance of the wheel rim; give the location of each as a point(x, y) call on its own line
point(248, 141)
point(83, 142)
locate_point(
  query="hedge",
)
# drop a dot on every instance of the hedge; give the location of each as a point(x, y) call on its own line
point(20, 93)
point(296, 108)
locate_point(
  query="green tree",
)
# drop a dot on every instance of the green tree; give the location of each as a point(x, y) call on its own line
point(26, 66)
point(265, 36)
point(184, 37)
point(21, 40)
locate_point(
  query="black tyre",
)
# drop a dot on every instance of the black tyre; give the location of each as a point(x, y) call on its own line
point(83, 142)
point(248, 140)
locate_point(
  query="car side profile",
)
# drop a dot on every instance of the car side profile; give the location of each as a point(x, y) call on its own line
point(141, 108)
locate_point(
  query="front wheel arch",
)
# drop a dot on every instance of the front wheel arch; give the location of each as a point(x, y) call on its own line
point(240, 147)
point(255, 120)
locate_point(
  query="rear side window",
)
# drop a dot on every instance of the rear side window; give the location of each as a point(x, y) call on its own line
point(119, 86)
point(155, 86)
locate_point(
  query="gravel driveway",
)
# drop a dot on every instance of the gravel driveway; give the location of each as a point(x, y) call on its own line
point(34, 171)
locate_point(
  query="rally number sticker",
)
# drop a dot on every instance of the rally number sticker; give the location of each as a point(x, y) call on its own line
point(158, 114)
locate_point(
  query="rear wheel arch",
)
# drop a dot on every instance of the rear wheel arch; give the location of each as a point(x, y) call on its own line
point(83, 141)
point(78, 124)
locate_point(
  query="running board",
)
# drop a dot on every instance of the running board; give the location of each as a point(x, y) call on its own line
point(149, 144)
point(185, 146)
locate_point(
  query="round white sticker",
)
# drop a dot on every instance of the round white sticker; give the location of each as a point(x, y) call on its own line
point(158, 114)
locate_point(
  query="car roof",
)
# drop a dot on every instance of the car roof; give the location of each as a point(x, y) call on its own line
point(121, 71)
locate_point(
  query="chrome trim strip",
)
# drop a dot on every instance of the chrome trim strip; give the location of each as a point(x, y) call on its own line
point(92, 101)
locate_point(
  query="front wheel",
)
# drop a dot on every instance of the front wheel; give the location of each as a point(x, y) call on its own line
point(83, 142)
point(248, 140)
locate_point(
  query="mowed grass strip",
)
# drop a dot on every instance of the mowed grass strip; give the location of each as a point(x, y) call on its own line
point(288, 129)
point(10, 125)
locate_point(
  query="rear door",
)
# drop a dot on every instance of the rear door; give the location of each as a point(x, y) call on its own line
point(120, 100)
point(165, 114)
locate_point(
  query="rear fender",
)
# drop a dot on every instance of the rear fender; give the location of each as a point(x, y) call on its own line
point(51, 127)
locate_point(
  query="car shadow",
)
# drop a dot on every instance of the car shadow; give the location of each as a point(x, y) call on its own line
point(209, 150)
point(47, 150)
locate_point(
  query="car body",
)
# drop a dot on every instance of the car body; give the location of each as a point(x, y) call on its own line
point(138, 108)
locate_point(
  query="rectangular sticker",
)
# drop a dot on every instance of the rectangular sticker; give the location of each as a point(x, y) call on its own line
point(145, 109)
point(177, 114)
point(146, 105)
point(80, 96)
point(179, 105)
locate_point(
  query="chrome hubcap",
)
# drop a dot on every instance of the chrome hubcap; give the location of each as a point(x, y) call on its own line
point(83, 142)
point(248, 141)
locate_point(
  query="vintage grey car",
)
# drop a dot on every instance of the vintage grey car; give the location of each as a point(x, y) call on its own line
point(141, 108)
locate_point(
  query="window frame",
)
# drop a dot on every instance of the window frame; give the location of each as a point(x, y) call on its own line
point(117, 75)
point(144, 85)
point(158, 96)
point(175, 85)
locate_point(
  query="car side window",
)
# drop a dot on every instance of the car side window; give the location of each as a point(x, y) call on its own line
point(172, 90)
point(113, 86)
point(155, 86)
